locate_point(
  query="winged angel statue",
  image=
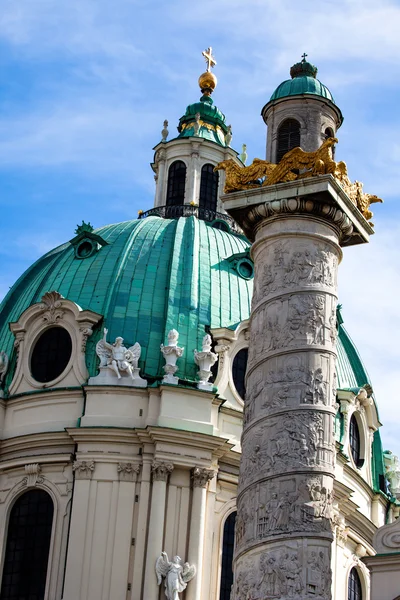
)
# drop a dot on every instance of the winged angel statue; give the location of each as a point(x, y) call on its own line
point(118, 358)
point(177, 574)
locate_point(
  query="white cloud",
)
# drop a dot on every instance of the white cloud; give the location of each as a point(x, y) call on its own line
point(369, 285)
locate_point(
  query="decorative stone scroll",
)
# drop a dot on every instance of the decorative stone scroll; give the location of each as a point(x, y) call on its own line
point(33, 475)
point(171, 354)
point(83, 469)
point(52, 307)
point(128, 471)
point(161, 470)
point(118, 365)
point(200, 477)
point(205, 361)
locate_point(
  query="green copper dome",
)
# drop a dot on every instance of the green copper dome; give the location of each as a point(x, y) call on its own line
point(211, 121)
point(303, 82)
point(149, 276)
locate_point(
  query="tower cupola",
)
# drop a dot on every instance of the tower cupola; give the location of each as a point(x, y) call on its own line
point(301, 112)
point(184, 165)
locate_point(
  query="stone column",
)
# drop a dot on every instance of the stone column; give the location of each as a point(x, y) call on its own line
point(160, 472)
point(200, 479)
point(284, 536)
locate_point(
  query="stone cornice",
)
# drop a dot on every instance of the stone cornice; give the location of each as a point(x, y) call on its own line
point(320, 196)
point(40, 459)
point(36, 444)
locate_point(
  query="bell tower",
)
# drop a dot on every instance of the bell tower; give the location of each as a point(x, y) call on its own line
point(300, 112)
point(184, 165)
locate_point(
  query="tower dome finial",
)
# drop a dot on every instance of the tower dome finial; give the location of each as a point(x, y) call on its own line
point(207, 80)
point(303, 68)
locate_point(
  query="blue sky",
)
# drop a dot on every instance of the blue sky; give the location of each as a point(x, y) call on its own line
point(86, 84)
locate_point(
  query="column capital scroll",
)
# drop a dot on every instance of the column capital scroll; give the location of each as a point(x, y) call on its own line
point(200, 477)
point(161, 470)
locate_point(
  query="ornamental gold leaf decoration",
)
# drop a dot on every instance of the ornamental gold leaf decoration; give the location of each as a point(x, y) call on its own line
point(297, 164)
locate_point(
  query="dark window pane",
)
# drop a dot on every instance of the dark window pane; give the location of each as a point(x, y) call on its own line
point(51, 354)
point(208, 188)
point(354, 588)
point(176, 183)
point(27, 549)
point(227, 557)
point(239, 371)
point(354, 435)
point(288, 137)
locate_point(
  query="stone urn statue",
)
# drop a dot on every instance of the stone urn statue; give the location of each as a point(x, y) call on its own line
point(205, 361)
point(171, 354)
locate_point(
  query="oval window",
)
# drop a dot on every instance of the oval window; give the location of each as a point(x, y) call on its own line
point(85, 249)
point(245, 268)
point(239, 371)
point(355, 442)
point(51, 354)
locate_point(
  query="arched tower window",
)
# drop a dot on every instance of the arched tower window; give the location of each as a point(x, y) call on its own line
point(27, 549)
point(227, 557)
point(288, 137)
point(176, 183)
point(239, 371)
point(354, 586)
point(355, 442)
point(208, 188)
point(330, 133)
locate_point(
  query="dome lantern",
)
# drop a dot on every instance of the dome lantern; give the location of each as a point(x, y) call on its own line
point(301, 112)
point(184, 165)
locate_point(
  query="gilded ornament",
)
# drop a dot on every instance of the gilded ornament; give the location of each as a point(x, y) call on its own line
point(297, 164)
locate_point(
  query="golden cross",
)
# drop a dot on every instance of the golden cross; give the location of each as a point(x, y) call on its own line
point(210, 60)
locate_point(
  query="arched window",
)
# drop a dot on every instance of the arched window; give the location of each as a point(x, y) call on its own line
point(288, 137)
point(354, 587)
point(208, 188)
point(27, 550)
point(239, 371)
point(329, 133)
point(51, 354)
point(176, 183)
point(355, 442)
point(227, 557)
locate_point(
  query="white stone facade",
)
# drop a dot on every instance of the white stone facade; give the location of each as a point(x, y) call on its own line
point(159, 473)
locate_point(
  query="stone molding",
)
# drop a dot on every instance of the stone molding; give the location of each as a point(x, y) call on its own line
point(83, 469)
point(200, 477)
point(161, 470)
point(302, 206)
point(52, 310)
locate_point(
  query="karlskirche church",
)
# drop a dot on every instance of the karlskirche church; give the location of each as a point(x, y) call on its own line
point(183, 414)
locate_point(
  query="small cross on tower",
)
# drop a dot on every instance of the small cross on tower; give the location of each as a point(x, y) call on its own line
point(304, 56)
point(210, 60)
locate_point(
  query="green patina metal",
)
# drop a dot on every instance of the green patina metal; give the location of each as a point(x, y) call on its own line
point(213, 126)
point(300, 86)
point(152, 275)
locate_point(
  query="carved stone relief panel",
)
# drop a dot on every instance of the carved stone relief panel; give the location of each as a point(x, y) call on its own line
point(297, 320)
point(280, 444)
point(289, 381)
point(289, 571)
point(288, 505)
point(295, 265)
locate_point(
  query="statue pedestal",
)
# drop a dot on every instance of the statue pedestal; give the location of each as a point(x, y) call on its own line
point(285, 495)
point(107, 376)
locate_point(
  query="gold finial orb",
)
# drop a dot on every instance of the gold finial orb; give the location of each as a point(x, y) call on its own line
point(207, 82)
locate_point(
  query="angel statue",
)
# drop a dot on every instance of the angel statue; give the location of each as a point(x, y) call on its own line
point(177, 575)
point(116, 357)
